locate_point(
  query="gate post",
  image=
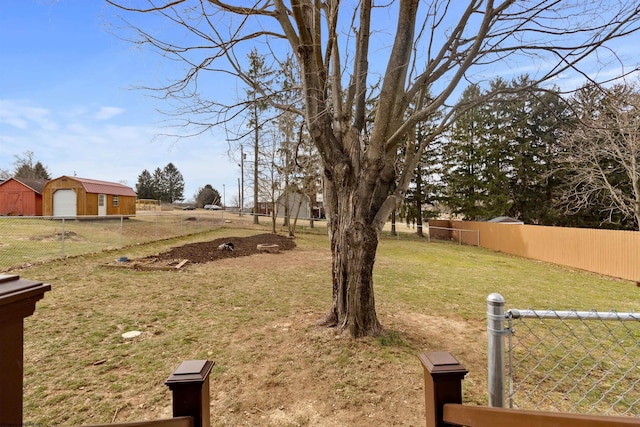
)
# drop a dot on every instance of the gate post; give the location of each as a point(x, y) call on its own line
point(495, 349)
point(443, 376)
point(17, 300)
point(190, 386)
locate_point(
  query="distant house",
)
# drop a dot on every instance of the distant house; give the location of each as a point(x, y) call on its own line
point(70, 196)
point(21, 196)
point(505, 220)
point(299, 205)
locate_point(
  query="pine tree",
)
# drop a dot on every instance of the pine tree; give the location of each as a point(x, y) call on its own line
point(160, 191)
point(144, 186)
point(538, 121)
point(463, 161)
point(207, 195)
point(173, 183)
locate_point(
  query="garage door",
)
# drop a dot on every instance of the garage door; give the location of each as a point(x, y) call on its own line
point(64, 203)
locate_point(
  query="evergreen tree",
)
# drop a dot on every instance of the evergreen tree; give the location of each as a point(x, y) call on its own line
point(144, 186)
point(500, 159)
point(497, 151)
point(538, 121)
point(463, 160)
point(160, 191)
point(423, 188)
point(207, 195)
point(173, 183)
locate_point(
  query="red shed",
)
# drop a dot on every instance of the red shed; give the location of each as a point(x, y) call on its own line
point(21, 196)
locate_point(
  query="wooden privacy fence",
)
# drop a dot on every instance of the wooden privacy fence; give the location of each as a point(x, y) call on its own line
point(613, 253)
point(443, 376)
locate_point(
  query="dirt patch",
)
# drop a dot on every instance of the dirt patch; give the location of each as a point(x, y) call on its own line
point(203, 252)
point(57, 237)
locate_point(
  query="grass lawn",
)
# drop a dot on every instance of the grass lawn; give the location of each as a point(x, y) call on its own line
point(255, 317)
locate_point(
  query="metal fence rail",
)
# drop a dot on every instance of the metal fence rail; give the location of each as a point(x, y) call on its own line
point(571, 361)
point(457, 234)
point(28, 240)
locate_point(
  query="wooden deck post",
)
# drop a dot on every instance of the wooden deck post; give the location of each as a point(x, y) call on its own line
point(190, 386)
point(443, 376)
point(17, 300)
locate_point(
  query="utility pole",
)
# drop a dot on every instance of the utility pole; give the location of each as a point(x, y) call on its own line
point(241, 179)
point(256, 144)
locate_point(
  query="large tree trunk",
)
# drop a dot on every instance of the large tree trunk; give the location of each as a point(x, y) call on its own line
point(354, 239)
point(353, 250)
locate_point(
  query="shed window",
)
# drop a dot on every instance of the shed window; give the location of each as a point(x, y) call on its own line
point(115, 200)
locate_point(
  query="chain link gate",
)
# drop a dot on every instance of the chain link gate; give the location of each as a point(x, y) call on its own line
point(571, 361)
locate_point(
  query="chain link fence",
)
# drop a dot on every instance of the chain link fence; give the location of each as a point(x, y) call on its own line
point(571, 361)
point(28, 240)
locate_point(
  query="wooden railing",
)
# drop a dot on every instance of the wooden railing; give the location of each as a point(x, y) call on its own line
point(190, 386)
point(443, 376)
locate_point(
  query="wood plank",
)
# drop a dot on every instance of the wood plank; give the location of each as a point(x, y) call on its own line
point(171, 422)
point(480, 416)
point(183, 262)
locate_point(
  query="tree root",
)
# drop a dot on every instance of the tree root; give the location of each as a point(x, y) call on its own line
point(329, 321)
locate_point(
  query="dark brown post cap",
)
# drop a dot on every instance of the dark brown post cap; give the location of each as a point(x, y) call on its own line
point(18, 297)
point(190, 371)
point(441, 363)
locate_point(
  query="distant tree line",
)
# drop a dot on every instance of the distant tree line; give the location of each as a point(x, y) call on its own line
point(538, 157)
point(529, 152)
point(25, 166)
point(165, 185)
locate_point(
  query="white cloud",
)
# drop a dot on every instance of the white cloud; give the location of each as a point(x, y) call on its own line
point(105, 113)
point(23, 116)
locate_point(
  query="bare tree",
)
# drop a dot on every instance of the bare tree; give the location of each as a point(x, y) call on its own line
point(602, 154)
point(341, 46)
point(25, 167)
point(271, 179)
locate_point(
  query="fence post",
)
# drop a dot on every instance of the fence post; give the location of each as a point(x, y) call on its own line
point(62, 245)
point(190, 386)
point(443, 376)
point(495, 349)
point(17, 300)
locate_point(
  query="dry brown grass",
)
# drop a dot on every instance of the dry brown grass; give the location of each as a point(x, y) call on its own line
point(255, 316)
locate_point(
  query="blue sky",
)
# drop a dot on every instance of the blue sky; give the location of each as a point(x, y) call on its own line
point(66, 95)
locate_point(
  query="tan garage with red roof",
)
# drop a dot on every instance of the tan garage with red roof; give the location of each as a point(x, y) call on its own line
point(70, 196)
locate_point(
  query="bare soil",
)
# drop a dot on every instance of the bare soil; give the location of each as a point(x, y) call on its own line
point(203, 252)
